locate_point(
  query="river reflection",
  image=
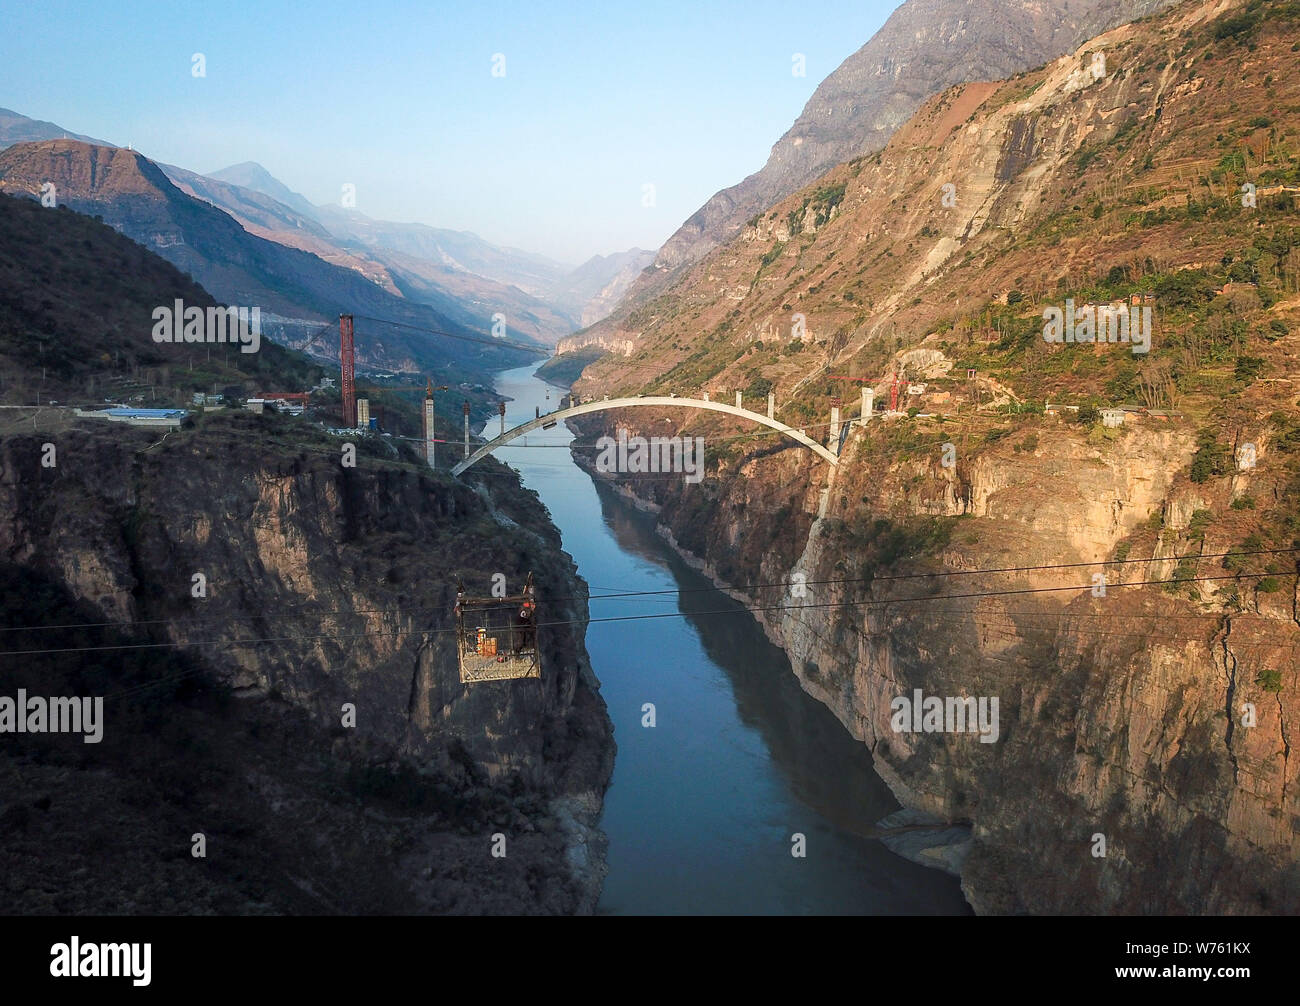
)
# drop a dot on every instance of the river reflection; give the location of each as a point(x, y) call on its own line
point(703, 805)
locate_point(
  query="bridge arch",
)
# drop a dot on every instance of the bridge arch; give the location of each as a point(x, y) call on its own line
point(631, 403)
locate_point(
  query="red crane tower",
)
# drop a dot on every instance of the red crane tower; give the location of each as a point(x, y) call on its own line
point(895, 386)
point(348, 361)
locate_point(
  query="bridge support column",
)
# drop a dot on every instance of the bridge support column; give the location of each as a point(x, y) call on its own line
point(738, 405)
point(706, 396)
point(834, 445)
point(503, 418)
point(868, 403)
point(466, 410)
point(428, 430)
point(771, 405)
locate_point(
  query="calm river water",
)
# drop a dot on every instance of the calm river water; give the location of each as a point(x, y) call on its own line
point(703, 805)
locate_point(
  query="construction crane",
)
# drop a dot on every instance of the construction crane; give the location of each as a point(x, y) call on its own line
point(347, 366)
point(348, 363)
point(895, 386)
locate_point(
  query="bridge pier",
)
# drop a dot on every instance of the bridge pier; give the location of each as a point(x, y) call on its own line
point(835, 429)
point(428, 428)
point(868, 403)
point(738, 405)
point(771, 405)
point(706, 396)
point(466, 411)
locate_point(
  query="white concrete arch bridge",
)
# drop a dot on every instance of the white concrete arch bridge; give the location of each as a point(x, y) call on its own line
point(601, 405)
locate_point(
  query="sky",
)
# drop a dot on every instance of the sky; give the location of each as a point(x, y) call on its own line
point(604, 126)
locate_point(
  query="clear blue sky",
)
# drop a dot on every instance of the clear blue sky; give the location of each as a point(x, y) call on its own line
point(399, 100)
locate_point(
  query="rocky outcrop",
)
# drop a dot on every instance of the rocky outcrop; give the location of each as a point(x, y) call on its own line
point(296, 581)
point(1122, 718)
point(611, 342)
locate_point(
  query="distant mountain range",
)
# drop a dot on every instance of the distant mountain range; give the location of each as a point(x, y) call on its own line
point(465, 278)
point(76, 315)
point(299, 293)
point(251, 175)
point(15, 128)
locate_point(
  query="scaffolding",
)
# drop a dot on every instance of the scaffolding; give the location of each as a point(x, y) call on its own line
point(496, 637)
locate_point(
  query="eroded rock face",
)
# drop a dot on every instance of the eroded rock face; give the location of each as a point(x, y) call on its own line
point(327, 585)
point(1119, 716)
point(924, 47)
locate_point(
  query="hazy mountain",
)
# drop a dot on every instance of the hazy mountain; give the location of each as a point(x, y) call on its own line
point(249, 204)
point(298, 292)
point(532, 273)
point(465, 297)
point(596, 286)
point(582, 295)
point(251, 175)
point(16, 128)
point(456, 272)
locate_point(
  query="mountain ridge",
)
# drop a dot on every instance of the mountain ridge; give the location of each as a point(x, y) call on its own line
point(298, 292)
point(923, 47)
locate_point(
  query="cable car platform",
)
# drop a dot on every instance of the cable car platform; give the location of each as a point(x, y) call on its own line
point(496, 637)
point(475, 668)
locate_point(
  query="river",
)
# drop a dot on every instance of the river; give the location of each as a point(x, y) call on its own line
point(703, 805)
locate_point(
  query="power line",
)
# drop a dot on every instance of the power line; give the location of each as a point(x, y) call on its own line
point(960, 617)
point(966, 572)
point(616, 593)
point(869, 602)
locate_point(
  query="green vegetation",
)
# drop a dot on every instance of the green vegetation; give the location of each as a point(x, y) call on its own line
point(880, 543)
point(566, 368)
point(1211, 457)
point(76, 330)
point(1247, 368)
point(822, 200)
point(758, 387)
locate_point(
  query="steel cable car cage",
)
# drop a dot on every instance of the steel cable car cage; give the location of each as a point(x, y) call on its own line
point(496, 637)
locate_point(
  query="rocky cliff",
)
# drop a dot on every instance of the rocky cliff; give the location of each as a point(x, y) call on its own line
point(1121, 715)
point(323, 586)
point(1142, 761)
